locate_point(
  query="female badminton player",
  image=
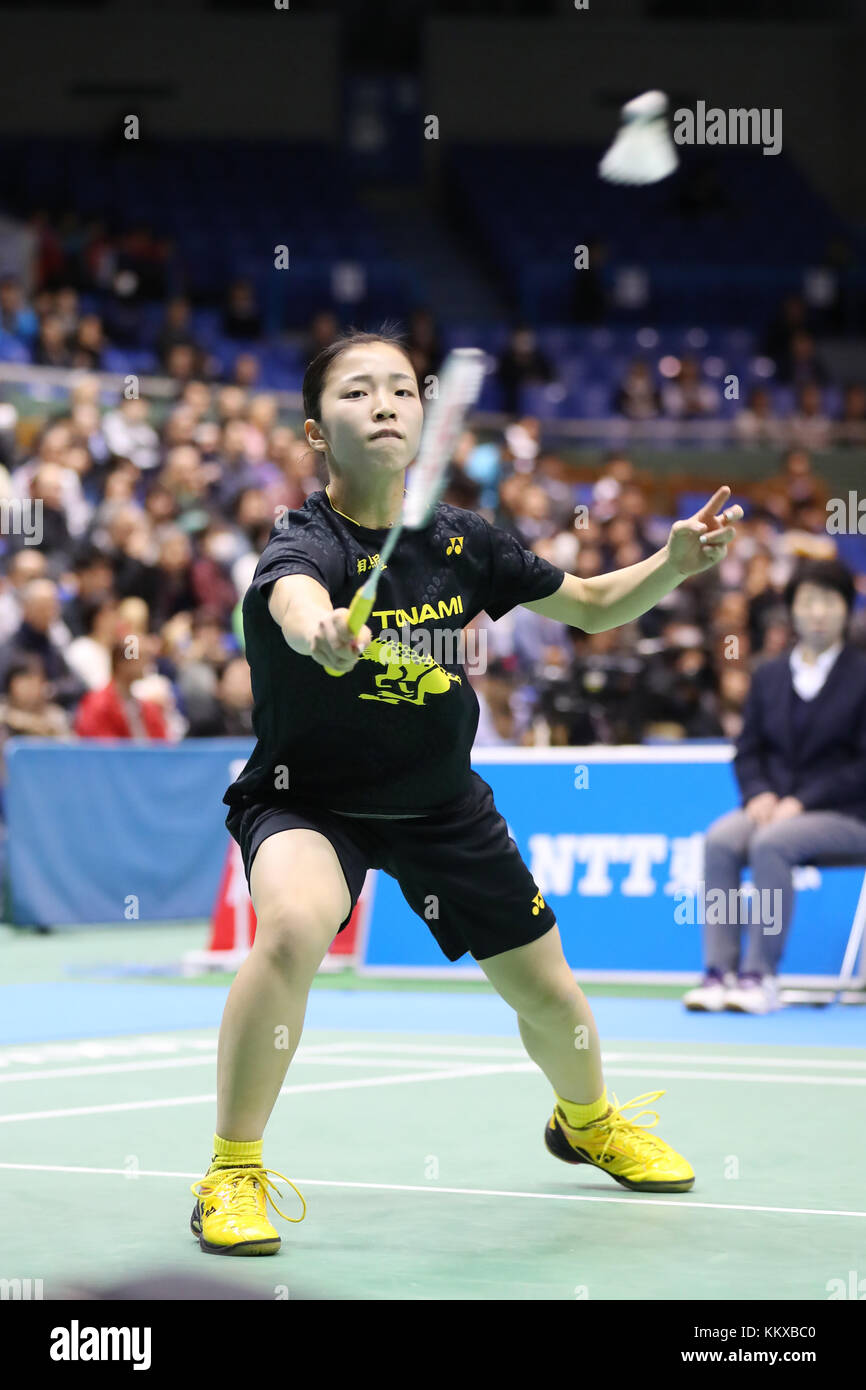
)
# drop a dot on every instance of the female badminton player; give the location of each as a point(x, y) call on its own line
point(370, 767)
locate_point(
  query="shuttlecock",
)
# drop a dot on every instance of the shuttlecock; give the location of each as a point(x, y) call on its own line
point(643, 151)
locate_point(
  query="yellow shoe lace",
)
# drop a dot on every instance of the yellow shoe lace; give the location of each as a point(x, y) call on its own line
point(243, 1180)
point(616, 1122)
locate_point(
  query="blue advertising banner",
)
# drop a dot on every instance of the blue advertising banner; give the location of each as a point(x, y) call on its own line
point(110, 831)
point(614, 840)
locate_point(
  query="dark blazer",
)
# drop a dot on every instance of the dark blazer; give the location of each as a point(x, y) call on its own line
point(826, 767)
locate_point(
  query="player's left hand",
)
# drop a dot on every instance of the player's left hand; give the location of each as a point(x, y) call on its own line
point(786, 808)
point(702, 540)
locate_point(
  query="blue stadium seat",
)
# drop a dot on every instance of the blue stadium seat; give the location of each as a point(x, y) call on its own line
point(690, 502)
point(11, 350)
point(852, 551)
point(541, 401)
point(117, 360)
point(595, 400)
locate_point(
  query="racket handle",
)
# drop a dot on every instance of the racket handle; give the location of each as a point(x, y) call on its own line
point(359, 612)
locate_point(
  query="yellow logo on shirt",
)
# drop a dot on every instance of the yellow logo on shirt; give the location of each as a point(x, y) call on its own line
point(411, 617)
point(405, 675)
point(537, 904)
point(408, 676)
point(370, 562)
point(455, 545)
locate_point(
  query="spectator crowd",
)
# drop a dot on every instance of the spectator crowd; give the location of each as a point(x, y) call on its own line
point(124, 621)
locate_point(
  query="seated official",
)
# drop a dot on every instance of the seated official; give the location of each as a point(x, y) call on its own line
point(801, 768)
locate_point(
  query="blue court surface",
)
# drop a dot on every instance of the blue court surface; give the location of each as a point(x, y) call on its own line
point(44, 1011)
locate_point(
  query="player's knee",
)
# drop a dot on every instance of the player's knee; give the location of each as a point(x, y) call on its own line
point(547, 999)
point(296, 935)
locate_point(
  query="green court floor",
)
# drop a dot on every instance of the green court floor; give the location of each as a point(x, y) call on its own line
point(414, 1133)
point(422, 1164)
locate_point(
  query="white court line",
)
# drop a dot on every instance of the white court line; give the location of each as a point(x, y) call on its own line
point(97, 1050)
point(641, 1198)
point(652, 1069)
point(777, 1078)
point(699, 1060)
point(173, 1062)
point(445, 1050)
point(452, 1074)
point(395, 1051)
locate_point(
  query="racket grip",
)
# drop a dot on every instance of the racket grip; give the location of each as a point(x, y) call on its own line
point(359, 612)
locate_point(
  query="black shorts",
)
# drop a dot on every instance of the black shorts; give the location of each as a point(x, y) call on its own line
point(458, 868)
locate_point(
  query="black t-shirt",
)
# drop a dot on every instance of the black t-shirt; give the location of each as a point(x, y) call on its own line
point(392, 737)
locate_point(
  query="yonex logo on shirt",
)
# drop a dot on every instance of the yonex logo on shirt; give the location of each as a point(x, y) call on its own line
point(455, 545)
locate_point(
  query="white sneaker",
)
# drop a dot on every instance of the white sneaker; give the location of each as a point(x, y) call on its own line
point(752, 995)
point(711, 995)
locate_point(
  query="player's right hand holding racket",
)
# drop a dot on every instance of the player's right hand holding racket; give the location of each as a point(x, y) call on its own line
point(333, 644)
point(311, 627)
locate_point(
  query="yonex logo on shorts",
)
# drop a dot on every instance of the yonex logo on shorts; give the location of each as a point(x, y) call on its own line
point(537, 904)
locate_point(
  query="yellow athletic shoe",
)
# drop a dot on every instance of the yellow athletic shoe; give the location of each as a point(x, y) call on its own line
point(231, 1215)
point(639, 1161)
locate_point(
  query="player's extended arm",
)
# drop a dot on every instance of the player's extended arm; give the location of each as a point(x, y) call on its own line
point(301, 607)
point(609, 600)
